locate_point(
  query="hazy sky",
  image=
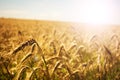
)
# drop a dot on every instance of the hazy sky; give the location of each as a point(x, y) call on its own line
point(101, 11)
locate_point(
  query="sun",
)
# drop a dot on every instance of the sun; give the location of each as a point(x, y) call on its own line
point(95, 13)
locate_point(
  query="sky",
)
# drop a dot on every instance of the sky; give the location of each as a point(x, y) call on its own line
point(84, 11)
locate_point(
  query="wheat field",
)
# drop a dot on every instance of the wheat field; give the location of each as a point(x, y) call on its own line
point(51, 50)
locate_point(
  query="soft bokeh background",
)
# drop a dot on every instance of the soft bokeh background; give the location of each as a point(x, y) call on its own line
point(85, 11)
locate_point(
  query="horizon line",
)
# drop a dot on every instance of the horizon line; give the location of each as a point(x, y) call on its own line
point(52, 20)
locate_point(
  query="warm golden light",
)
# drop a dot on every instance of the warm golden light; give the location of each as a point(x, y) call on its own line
point(95, 12)
point(96, 29)
point(96, 15)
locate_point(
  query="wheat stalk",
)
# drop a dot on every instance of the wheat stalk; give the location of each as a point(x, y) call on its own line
point(21, 73)
point(33, 47)
point(34, 72)
point(74, 46)
point(25, 58)
point(67, 68)
point(44, 61)
point(55, 68)
point(108, 51)
point(63, 52)
point(49, 60)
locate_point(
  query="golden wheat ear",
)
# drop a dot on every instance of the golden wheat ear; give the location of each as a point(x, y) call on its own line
point(60, 51)
point(52, 44)
point(29, 54)
point(72, 47)
point(63, 52)
point(23, 45)
point(108, 52)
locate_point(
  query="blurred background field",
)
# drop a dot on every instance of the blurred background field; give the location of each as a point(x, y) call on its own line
point(68, 51)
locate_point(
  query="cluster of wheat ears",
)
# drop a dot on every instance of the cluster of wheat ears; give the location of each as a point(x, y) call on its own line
point(54, 53)
point(29, 61)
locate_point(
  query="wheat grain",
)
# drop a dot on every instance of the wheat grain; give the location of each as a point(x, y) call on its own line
point(23, 45)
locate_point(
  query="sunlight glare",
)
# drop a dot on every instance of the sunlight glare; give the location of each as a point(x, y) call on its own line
point(95, 14)
point(96, 29)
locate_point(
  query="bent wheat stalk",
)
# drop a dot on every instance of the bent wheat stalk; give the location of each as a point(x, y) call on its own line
point(44, 61)
point(49, 60)
point(21, 73)
point(108, 51)
point(55, 68)
point(34, 73)
point(26, 57)
point(33, 43)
